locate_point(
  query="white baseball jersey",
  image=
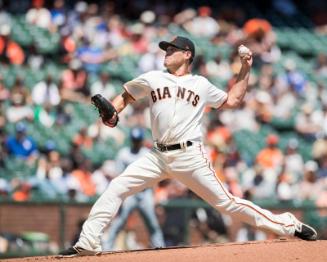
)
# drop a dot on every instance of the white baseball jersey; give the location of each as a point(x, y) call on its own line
point(176, 103)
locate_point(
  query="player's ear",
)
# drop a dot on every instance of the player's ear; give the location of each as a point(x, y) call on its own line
point(188, 54)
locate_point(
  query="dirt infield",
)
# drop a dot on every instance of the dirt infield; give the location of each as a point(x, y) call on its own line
point(277, 250)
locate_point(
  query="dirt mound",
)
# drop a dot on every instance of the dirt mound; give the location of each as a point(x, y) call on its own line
point(277, 250)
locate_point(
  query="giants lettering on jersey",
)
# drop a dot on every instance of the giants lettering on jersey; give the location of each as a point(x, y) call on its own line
point(183, 93)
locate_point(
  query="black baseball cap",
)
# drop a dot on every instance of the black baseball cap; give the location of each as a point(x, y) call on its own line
point(179, 42)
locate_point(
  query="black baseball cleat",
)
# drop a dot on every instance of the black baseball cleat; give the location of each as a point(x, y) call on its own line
point(306, 233)
point(76, 251)
point(303, 231)
point(69, 252)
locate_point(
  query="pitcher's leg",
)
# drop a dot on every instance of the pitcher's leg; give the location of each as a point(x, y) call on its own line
point(211, 190)
point(143, 173)
point(204, 182)
point(119, 221)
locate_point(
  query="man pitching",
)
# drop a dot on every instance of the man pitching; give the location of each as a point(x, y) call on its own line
point(177, 102)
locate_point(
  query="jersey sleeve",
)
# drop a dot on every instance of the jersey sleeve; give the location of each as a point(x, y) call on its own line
point(215, 96)
point(139, 87)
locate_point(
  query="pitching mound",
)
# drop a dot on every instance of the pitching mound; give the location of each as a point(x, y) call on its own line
point(277, 250)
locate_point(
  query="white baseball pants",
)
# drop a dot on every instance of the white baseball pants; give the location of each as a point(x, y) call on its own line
point(191, 167)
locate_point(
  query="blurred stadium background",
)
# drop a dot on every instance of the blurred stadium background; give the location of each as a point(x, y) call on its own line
point(56, 157)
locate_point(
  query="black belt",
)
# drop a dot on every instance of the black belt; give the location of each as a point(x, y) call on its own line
point(162, 147)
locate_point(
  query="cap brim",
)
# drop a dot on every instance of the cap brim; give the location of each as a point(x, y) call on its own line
point(164, 45)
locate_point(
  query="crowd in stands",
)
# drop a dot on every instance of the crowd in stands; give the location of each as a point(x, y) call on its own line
point(54, 57)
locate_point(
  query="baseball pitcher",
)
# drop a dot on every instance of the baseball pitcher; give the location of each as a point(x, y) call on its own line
point(177, 102)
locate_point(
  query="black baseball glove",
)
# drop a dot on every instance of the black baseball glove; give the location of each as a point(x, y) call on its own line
point(107, 111)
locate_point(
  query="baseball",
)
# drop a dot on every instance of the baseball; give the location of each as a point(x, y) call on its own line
point(243, 50)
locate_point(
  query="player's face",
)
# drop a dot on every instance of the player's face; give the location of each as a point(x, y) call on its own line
point(175, 57)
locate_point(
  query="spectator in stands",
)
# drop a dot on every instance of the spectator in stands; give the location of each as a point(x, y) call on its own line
point(76, 155)
point(67, 185)
point(260, 38)
point(83, 175)
point(75, 78)
point(20, 88)
point(82, 139)
point(284, 190)
point(91, 23)
point(240, 118)
point(90, 55)
point(49, 173)
point(95, 50)
point(184, 17)
point(10, 51)
point(42, 182)
point(117, 31)
point(63, 115)
point(51, 167)
point(35, 60)
point(294, 77)
point(271, 157)
point(285, 103)
point(21, 145)
point(67, 46)
point(294, 163)
point(58, 13)
point(138, 42)
point(309, 189)
point(46, 92)
point(70, 95)
point(219, 68)
point(103, 86)
point(263, 106)
point(308, 122)
point(38, 15)
point(76, 17)
point(98, 131)
point(143, 201)
point(19, 109)
point(101, 34)
point(203, 25)
point(259, 182)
